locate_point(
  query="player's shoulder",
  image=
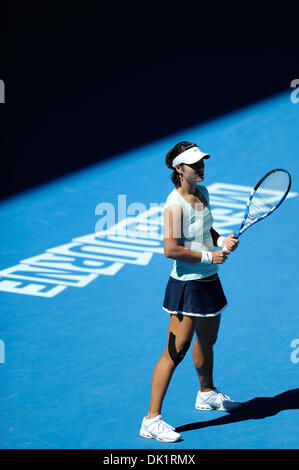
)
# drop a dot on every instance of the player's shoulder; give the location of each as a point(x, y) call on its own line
point(173, 198)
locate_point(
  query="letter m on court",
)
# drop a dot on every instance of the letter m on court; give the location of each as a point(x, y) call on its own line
point(2, 92)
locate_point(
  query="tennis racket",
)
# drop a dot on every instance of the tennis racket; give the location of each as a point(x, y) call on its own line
point(265, 197)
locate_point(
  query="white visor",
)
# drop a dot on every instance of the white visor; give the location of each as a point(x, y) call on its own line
point(191, 155)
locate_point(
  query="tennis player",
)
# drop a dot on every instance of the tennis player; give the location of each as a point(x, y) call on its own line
point(194, 297)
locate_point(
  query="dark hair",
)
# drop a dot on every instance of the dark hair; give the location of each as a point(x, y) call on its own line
point(170, 156)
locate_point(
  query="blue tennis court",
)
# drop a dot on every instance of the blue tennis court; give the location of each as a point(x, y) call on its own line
point(82, 324)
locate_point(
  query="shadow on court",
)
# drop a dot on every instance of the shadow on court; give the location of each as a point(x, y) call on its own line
point(257, 408)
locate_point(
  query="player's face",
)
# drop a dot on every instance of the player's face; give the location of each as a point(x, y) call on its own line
point(198, 169)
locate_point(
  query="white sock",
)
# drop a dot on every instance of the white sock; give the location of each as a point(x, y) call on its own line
point(208, 393)
point(151, 419)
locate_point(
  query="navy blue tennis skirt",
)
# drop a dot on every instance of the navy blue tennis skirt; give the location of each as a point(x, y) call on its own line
point(200, 297)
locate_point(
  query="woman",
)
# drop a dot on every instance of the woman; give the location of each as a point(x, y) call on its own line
point(194, 296)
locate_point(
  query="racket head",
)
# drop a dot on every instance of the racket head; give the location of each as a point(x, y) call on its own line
point(270, 191)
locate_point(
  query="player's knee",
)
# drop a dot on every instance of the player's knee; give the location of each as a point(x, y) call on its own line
point(207, 341)
point(177, 353)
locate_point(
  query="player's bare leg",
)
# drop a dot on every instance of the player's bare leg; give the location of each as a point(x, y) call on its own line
point(182, 327)
point(206, 335)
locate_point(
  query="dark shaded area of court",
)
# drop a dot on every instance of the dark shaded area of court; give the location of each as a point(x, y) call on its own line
point(87, 81)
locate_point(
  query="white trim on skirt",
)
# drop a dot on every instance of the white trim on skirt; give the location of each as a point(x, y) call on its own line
point(175, 312)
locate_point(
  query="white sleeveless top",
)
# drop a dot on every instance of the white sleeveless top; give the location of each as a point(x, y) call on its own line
point(195, 235)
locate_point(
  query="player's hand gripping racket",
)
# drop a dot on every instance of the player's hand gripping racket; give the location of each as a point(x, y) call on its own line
point(265, 197)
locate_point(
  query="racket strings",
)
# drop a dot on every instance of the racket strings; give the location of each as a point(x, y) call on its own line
point(269, 193)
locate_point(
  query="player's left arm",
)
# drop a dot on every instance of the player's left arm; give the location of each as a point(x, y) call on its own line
point(230, 242)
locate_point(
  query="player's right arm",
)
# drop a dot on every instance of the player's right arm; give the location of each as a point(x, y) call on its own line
point(173, 226)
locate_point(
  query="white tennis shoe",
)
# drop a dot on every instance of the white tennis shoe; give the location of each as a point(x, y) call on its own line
point(156, 428)
point(215, 400)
